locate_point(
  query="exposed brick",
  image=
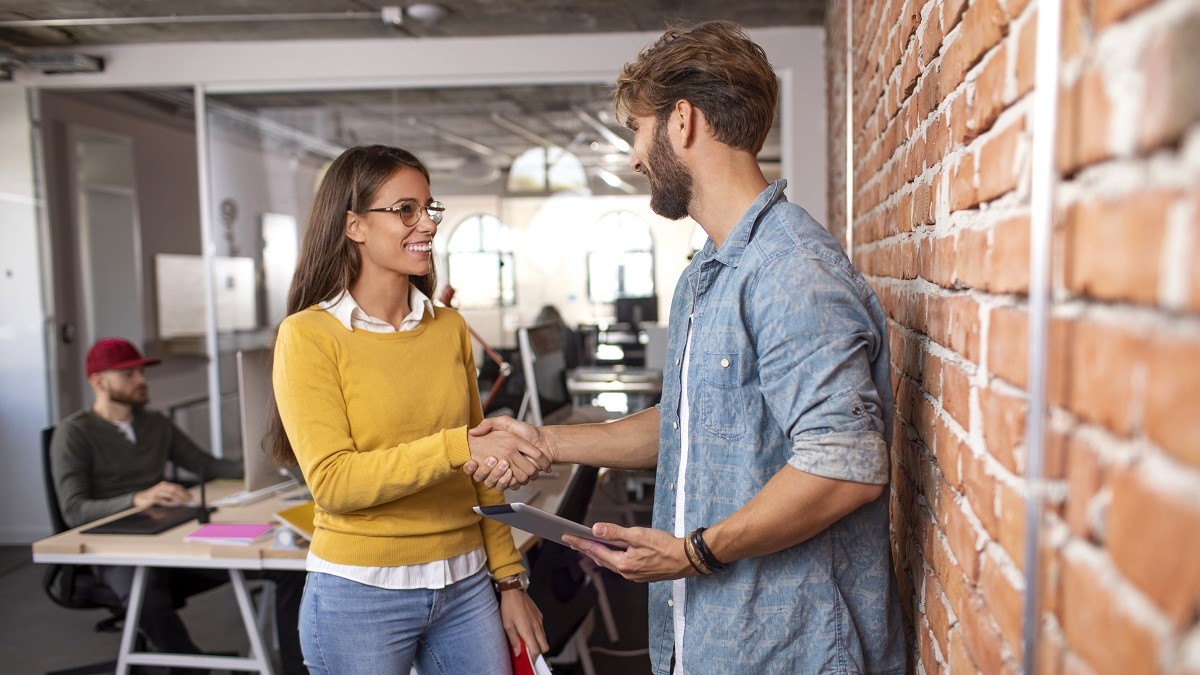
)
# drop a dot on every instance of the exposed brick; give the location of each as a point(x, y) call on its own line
point(1172, 391)
point(1112, 248)
point(1085, 476)
point(971, 264)
point(1172, 99)
point(1075, 36)
point(1003, 425)
point(1008, 345)
point(1015, 7)
point(1012, 523)
point(942, 261)
point(952, 11)
point(1108, 11)
point(956, 394)
point(1083, 123)
point(988, 94)
point(1144, 524)
point(1103, 361)
point(1050, 652)
point(960, 660)
point(922, 205)
point(979, 488)
point(1026, 56)
point(981, 637)
point(1097, 626)
point(983, 26)
point(925, 648)
point(1003, 601)
point(962, 313)
point(931, 37)
point(1194, 295)
point(1009, 263)
point(962, 538)
point(936, 613)
point(950, 452)
point(998, 168)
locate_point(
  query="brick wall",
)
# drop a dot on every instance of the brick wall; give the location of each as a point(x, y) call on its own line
point(942, 130)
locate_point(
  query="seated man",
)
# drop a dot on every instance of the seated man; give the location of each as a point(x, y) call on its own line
point(111, 457)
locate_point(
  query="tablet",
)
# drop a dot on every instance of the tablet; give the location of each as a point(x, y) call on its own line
point(536, 521)
point(150, 520)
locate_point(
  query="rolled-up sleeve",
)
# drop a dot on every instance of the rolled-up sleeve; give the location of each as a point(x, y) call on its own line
point(816, 344)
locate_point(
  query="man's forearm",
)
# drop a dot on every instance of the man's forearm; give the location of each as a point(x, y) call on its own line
point(792, 507)
point(628, 443)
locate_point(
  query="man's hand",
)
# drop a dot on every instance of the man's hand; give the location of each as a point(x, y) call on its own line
point(652, 555)
point(523, 621)
point(165, 493)
point(494, 471)
point(509, 458)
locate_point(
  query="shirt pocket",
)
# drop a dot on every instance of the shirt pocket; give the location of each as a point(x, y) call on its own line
point(723, 411)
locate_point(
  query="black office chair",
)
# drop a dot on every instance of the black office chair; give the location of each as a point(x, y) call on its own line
point(565, 585)
point(75, 586)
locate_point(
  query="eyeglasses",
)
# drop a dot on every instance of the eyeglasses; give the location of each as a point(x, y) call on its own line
point(410, 212)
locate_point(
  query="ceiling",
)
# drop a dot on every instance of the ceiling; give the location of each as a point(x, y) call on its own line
point(458, 131)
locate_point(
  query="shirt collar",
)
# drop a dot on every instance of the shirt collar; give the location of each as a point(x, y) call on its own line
point(731, 249)
point(345, 309)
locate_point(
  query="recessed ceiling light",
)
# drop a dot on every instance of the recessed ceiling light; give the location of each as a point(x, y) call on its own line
point(426, 12)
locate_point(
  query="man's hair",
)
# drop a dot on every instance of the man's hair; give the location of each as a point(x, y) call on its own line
point(715, 67)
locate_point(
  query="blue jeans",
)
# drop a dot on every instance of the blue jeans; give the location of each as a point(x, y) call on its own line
point(348, 628)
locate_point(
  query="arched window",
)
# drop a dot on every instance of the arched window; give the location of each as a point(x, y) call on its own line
point(479, 263)
point(546, 170)
point(620, 258)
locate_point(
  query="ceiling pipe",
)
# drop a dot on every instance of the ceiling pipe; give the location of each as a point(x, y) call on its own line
point(602, 129)
point(473, 146)
point(508, 125)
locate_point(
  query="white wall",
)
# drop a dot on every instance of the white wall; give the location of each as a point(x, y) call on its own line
point(24, 381)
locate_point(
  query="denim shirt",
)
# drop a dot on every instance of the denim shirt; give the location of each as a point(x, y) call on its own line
point(788, 365)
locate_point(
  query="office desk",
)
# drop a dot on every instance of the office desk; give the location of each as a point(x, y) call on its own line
point(641, 386)
point(170, 549)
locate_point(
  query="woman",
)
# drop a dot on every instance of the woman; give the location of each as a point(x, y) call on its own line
point(376, 390)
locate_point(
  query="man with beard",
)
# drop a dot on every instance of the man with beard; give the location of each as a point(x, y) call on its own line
point(112, 456)
point(770, 538)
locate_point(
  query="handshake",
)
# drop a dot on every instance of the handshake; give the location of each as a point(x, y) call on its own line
point(507, 453)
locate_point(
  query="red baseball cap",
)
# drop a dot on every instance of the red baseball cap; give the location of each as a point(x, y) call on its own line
point(115, 354)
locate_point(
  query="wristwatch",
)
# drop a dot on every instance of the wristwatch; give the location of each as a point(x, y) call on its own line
point(515, 582)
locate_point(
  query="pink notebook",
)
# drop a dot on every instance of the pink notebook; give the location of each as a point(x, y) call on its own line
point(231, 533)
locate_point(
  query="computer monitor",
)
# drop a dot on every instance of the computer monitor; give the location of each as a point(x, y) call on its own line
point(255, 395)
point(634, 311)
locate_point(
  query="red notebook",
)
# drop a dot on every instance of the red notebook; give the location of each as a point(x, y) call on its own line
point(522, 662)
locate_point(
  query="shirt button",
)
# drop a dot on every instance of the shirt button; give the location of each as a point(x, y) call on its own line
point(674, 425)
point(672, 487)
point(670, 603)
point(676, 361)
point(724, 363)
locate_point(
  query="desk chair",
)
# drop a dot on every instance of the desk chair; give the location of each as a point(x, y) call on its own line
point(75, 586)
point(545, 369)
point(566, 586)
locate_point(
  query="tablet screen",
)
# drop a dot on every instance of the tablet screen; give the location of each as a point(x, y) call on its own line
point(536, 521)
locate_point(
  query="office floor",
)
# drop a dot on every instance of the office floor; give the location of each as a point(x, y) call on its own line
point(36, 635)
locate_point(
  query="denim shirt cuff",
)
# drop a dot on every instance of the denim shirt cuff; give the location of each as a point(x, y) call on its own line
point(859, 456)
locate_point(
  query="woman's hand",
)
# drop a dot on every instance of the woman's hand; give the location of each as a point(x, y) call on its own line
point(523, 621)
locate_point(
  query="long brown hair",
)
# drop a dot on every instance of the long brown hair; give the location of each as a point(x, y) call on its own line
point(329, 261)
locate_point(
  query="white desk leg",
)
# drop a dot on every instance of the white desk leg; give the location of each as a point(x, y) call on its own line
point(258, 654)
point(133, 614)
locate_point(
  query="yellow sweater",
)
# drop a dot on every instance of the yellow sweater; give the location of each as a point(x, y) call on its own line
point(379, 424)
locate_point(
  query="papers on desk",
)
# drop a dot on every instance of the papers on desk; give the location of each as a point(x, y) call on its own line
point(237, 534)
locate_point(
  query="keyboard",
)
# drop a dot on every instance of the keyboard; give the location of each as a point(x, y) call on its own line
point(249, 497)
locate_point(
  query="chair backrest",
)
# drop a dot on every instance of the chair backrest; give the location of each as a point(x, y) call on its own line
point(545, 369)
point(56, 516)
point(70, 586)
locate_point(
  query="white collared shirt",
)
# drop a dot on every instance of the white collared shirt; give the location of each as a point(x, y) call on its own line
point(431, 575)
